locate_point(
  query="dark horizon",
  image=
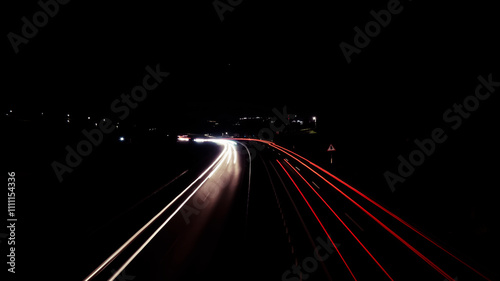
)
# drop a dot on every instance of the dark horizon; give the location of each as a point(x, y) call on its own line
point(406, 91)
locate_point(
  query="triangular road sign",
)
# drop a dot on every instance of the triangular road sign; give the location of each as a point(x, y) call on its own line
point(331, 148)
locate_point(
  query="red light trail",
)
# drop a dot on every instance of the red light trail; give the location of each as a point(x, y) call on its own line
point(288, 152)
point(296, 157)
point(355, 237)
point(319, 221)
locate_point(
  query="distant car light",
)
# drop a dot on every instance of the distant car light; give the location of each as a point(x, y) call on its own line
point(183, 138)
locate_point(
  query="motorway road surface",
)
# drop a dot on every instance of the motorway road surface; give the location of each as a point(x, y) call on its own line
point(278, 216)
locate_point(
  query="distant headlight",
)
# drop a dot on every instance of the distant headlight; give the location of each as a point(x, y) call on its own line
point(183, 138)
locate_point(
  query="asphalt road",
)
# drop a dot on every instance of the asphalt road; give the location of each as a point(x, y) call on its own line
point(278, 216)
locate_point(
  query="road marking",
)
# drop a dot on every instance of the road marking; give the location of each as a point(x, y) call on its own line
point(225, 153)
point(129, 241)
point(354, 222)
point(315, 185)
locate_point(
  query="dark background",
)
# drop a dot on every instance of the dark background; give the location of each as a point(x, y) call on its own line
point(267, 54)
point(262, 55)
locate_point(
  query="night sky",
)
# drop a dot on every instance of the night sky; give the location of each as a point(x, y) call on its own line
point(262, 55)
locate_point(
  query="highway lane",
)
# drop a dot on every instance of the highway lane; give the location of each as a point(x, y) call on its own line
point(291, 220)
point(182, 222)
point(375, 243)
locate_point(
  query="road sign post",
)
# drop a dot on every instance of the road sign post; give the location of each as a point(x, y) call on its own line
point(331, 149)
